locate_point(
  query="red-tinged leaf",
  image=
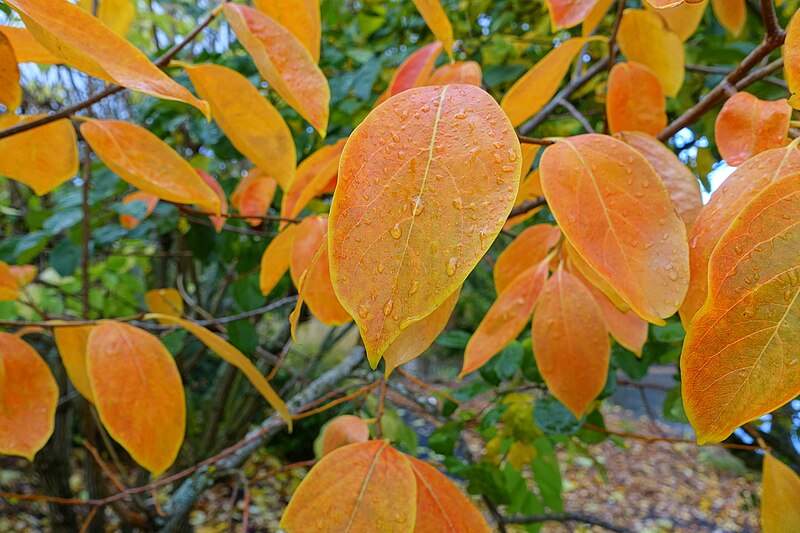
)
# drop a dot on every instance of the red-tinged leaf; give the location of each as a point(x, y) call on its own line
point(118, 15)
point(645, 38)
point(628, 230)
point(791, 59)
point(9, 286)
point(725, 204)
point(437, 21)
point(284, 62)
point(230, 354)
point(275, 261)
point(780, 497)
point(71, 342)
point(164, 301)
point(341, 431)
point(252, 124)
point(28, 396)
point(138, 393)
point(506, 319)
point(570, 342)
point(682, 184)
point(312, 178)
point(635, 100)
point(569, 13)
point(23, 274)
point(348, 490)
point(83, 42)
point(459, 72)
point(208, 179)
point(740, 357)
point(528, 249)
point(301, 18)
point(26, 48)
point(22, 160)
point(731, 14)
point(415, 70)
point(682, 19)
point(419, 336)
point(253, 195)
point(147, 163)
point(129, 221)
point(10, 90)
point(595, 17)
point(537, 86)
point(747, 126)
point(441, 507)
point(424, 205)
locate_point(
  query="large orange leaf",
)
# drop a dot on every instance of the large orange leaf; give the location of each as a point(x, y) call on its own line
point(301, 18)
point(416, 207)
point(275, 260)
point(635, 100)
point(437, 21)
point(645, 38)
point(359, 488)
point(537, 86)
point(229, 353)
point(284, 62)
point(682, 19)
point(83, 42)
point(28, 396)
point(71, 342)
point(526, 250)
point(415, 70)
point(726, 202)
point(26, 48)
point(441, 507)
point(129, 221)
point(683, 186)
point(731, 14)
point(780, 497)
point(118, 15)
point(252, 124)
point(740, 355)
point(147, 163)
point(747, 126)
point(589, 274)
point(9, 286)
point(468, 72)
point(22, 159)
point(569, 13)
point(791, 59)
point(628, 230)
point(341, 431)
point(253, 195)
point(570, 342)
point(138, 393)
point(10, 90)
point(507, 317)
point(313, 176)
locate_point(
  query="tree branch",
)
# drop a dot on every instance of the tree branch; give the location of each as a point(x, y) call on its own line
point(566, 517)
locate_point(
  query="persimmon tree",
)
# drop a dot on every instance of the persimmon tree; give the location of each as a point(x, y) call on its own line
point(177, 176)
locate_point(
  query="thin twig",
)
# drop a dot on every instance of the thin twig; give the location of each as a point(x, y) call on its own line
point(566, 517)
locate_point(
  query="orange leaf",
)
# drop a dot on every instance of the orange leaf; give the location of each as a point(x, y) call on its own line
point(731, 14)
point(738, 360)
point(29, 397)
point(129, 221)
point(147, 163)
point(530, 189)
point(252, 124)
point(506, 319)
point(83, 42)
point(23, 274)
point(437, 21)
point(537, 86)
point(644, 38)
point(138, 393)
point(284, 62)
point(118, 15)
point(348, 490)
point(628, 230)
point(466, 72)
point(569, 13)
point(791, 59)
point(682, 19)
point(424, 205)
point(10, 90)
point(589, 274)
point(9, 286)
point(217, 222)
point(570, 342)
point(26, 48)
point(21, 158)
point(71, 342)
point(780, 497)
point(747, 126)
point(343, 430)
point(253, 195)
point(595, 16)
point(313, 175)
point(635, 100)
point(415, 70)
point(528, 249)
point(726, 202)
point(419, 336)
point(164, 301)
point(301, 18)
point(275, 261)
point(681, 183)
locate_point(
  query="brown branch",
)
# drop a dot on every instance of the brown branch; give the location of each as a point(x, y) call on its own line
point(534, 140)
point(669, 440)
point(612, 39)
point(566, 517)
point(527, 205)
point(235, 216)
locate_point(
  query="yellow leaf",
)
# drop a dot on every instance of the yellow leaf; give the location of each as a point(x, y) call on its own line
point(313, 176)
point(28, 396)
point(83, 42)
point(780, 497)
point(164, 301)
point(254, 194)
point(739, 359)
point(275, 261)
point(528, 249)
point(252, 124)
point(129, 221)
point(284, 62)
point(138, 393)
point(682, 19)
point(233, 356)
point(644, 38)
point(791, 59)
point(71, 342)
point(21, 158)
point(416, 208)
point(10, 90)
point(595, 16)
point(118, 15)
point(731, 14)
point(148, 163)
point(26, 48)
point(437, 21)
point(301, 18)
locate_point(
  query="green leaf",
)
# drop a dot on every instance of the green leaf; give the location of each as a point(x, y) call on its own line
point(62, 220)
point(504, 365)
point(455, 339)
point(547, 474)
point(554, 419)
point(445, 438)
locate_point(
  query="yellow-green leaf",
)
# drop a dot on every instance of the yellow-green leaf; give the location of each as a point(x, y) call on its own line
point(118, 15)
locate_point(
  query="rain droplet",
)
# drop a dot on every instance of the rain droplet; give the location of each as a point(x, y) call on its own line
point(363, 311)
point(396, 231)
point(457, 203)
point(387, 307)
point(413, 288)
point(452, 265)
